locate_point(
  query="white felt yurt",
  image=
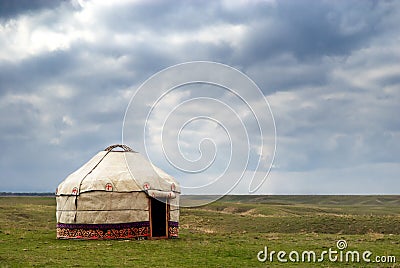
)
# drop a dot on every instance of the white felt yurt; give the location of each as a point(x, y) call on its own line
point(118, 194)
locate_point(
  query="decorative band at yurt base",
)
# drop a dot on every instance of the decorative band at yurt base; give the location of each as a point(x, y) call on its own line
point(104, 231)
point(173, 229)
point(134, 230)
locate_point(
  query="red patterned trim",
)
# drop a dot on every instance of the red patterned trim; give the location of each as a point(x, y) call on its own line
point(103, 231)
point(173, 229)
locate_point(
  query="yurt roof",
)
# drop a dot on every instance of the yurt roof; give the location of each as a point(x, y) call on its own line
point(118, 171)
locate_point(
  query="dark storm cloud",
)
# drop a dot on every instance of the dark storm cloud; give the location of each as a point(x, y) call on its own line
point(28, 74)
point(312, 29)
point(12, 8)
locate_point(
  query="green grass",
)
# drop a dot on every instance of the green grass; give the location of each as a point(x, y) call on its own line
point(226, 233)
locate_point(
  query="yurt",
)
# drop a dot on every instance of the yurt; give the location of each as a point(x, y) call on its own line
point(118, 194)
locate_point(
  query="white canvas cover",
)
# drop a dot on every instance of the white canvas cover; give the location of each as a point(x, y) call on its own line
point(121, 171)
point(99, 207)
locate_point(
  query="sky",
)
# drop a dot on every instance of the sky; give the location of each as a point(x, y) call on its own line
point(330, 71)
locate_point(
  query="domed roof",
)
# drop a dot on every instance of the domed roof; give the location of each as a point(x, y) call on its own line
point(119, 171)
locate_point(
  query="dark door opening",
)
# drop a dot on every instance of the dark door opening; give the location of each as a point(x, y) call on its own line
point(158, 218)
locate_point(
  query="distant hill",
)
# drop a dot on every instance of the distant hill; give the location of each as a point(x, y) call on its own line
point(25, 194)
point(341, 200)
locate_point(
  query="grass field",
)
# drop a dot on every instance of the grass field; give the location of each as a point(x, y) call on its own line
point(226, 233)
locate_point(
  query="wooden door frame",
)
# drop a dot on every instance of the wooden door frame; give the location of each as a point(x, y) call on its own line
point(167, 217)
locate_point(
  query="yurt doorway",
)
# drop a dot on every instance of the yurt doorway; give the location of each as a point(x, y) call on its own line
point(159, 217)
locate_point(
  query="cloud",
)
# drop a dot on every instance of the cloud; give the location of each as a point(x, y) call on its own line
point(326, 29)
point(330, 71)
point(10, 9)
